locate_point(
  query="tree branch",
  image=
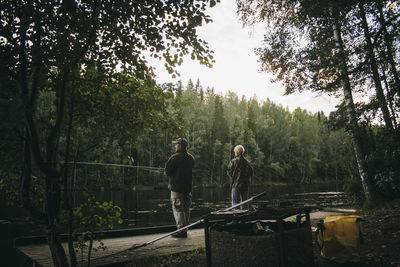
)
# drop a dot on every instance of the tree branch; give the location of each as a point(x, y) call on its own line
point(26, 182)
point(91, 37)
point(339, 79)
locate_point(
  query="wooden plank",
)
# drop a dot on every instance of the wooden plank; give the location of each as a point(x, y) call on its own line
point(118, 249)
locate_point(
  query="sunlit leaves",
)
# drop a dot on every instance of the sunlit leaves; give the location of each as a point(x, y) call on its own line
point(121, 108)
point(93, 217)
point(62, 34)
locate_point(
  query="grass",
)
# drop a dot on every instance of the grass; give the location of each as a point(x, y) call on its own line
point(193, 258)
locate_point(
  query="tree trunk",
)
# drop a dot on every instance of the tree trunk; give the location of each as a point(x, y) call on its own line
point(374, 68)
point(52, 204)
point(90, 250)
point(47, 167)
point(68, 191)
point(388, 44)
point(57, 251)
point(52, 177)
point(349, 103)
point(26, 180)
point(390, 100)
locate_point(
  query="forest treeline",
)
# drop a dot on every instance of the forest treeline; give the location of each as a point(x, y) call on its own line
point(283, 146)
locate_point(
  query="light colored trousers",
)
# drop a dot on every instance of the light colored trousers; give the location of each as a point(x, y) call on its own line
point(181, 203)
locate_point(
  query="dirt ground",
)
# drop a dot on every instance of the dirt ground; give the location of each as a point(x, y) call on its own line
point(380, 247)
point(381, 234)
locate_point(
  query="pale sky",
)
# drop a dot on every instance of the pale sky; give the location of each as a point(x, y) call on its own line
point(236, 68)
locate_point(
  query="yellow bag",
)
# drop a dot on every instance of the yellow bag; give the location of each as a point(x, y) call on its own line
point(339, 238)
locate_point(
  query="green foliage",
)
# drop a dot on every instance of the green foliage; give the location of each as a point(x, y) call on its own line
point(197, 257)
point(11, 136)
point(9, 188)
point(387, 183)
point(354, 190)
point(167, 30)
point(91, 218)
point(282, 146)
point(75, 73)
point(190, 256)
point(95, 216)
point(383, 158)
point(334, 47)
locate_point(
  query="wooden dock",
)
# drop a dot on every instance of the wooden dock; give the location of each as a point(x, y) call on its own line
point(118, 253)
point(118, 249)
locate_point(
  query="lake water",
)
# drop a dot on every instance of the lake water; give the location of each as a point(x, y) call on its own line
point(142, 208)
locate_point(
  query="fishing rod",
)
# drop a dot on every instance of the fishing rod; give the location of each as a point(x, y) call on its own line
point(195, 223)
point(116, 165)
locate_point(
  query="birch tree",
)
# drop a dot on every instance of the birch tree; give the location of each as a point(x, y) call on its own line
point(318, 46)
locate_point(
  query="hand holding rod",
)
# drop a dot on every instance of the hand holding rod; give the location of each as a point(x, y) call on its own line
point(246, 201)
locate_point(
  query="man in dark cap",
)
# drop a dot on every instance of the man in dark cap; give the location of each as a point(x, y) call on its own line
point(179, 168)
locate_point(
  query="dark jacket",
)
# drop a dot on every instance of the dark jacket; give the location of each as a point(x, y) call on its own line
point(240, 172)
point(179, 170)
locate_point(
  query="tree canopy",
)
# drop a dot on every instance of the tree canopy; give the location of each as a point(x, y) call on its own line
point(345, 48)
point(48, 50)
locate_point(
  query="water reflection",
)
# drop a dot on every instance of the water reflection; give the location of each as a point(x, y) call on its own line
point(152, 207)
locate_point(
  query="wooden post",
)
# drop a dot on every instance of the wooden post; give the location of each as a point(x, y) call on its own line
point(308, 220)
point(73, 188)
point(207, 241)
point(298, 220)
point(137, 173)
point(281, 235)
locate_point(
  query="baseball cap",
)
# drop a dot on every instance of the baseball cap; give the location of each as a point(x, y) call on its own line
point(181, 141)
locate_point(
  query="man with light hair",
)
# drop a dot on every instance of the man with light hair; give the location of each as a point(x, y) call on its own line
point(240, 173)
point(179, 169)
